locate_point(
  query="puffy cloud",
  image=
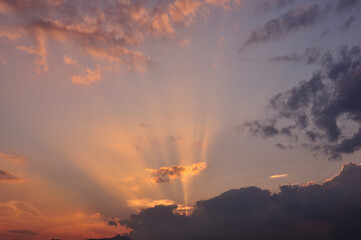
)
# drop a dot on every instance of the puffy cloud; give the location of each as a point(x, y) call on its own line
point(326, 109)
point(165, 174)
point(8, 177)
point(314, 211)
point(22, 231)
point(87, 78)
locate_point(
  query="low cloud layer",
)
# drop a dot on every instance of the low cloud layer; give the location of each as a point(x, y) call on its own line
point(26, 232)
point(165, 174)
point(325, 111)
point(331, 210)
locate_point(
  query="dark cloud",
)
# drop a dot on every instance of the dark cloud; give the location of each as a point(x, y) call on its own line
point(28, 232)
point(292, 21)
point(112, 223)
point(6, 176)
point(281, 146)
point(118, 237)
point(317, 106)
point(310, 56)
point(297, 19)
point(348, 23)
point(331, 210)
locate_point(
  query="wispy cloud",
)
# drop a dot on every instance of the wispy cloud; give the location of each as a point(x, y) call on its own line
point(279, 175)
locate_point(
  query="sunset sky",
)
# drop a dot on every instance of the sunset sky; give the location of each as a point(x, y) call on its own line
point(108, 107)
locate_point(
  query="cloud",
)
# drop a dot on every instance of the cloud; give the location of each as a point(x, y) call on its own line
point(296, 19)
point(117, 237)
point(27, 232)
point(326, 109)
point(112, 223)
point(279, 176)
point(147, 203)
point(165, 174)
point(314, 211)
point(69, 61)
point(87, 78)
point(310, 56)
point(111, 31)
point(12, 157)
point(8, 177)
point(292, 21)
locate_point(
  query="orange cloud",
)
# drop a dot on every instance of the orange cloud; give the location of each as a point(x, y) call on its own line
point(165, 174)
point(69, 61)
point(12, 157)
point(148, 203)
point(183, 11)
point(279, 175)
point(89, 77)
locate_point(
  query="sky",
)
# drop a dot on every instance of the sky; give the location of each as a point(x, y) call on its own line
point(110, 108)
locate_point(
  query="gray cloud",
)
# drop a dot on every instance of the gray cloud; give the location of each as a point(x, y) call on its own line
point(292, 21)
point(310, 56)
point(297, 19)
point(112, 223)
point(317, 106)
point(6, 176)
point(331, 210)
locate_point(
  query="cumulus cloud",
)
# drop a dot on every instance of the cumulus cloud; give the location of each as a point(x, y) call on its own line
point(165, 174)
point(314, 211)
point(326, 109)
point(8, 177)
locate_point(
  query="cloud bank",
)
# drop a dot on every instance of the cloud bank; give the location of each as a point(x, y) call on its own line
point(331, 210)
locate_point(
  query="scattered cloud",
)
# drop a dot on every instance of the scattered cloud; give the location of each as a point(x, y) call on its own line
point(312, 211)
point(88, 77)
point(165, 174)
